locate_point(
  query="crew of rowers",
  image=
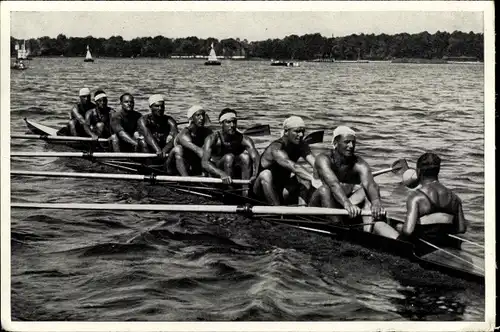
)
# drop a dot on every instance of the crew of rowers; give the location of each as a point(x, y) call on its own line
point(339, 178)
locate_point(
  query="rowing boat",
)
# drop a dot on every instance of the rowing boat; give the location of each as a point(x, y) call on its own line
point(451, 260)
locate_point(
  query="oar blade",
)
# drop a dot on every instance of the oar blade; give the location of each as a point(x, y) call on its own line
point(399, 166)
point(258, 130)
point(315, 137)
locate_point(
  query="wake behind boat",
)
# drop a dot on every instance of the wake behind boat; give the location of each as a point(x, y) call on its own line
point(451, 260)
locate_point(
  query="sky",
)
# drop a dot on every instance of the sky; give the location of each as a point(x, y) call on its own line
point(240, 20)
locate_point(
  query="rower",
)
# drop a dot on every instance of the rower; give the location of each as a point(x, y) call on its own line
point(433, 210)
point(188, 149)
point(98, 118)
point(158, 129)
point(76, 124)
point(227, 148)
point(274, 183)
point(124, 126)
point(341, 171)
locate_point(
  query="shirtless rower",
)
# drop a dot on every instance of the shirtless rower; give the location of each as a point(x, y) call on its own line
point(124, 126)
point(158, 129)
point(278, 162)
point(341, 170)
point(76, 124)
point(433, 210)
point(98, 118)
point(226, 148)
point(188, 149)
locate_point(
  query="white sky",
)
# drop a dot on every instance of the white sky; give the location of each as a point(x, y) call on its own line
point(241, 20)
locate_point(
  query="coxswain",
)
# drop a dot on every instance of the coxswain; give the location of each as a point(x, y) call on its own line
point(346, 178)
point(158, 129)
point(281, 178)
point(432, 210)
point(188, 149)
point(227, 148)
point(98, 118)
point(124, 126)
point(76, 124)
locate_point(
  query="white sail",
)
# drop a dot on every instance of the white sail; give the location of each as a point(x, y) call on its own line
point(88, 55)
point(212, 56)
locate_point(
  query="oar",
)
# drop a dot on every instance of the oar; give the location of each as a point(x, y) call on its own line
point(152, 178)
point(84, 154)
point(258, 130)
point(59, 138)
point(465, 240)
point(239, 209)
point(315, 137)
point(397, 167)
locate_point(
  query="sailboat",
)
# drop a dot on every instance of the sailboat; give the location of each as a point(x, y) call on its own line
point(212, 58)
point(22, 56)
point(88, 56)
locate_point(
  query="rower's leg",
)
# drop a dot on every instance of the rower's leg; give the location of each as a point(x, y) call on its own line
point(322, 197)
point(178, 153)
point(227, 163)
point(246, 165)
point(246, 170)
point(72, 127)
point(115, 143)
point(292, 191)
point(381, 228)
point(99, 128)
point(368, 220)
point(264, 184)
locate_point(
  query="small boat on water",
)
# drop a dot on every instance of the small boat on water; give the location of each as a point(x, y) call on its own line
point(212, 58)
point(284, 63)
point(88, 56)
point(450, 259)
point(22, 58)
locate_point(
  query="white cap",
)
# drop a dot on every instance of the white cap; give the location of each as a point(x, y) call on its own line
point(343, 130)
point(193, 109)
point(84, 92)
point(293, 122)
point(156, 98)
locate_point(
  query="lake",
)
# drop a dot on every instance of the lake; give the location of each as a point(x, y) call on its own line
point(149, 266)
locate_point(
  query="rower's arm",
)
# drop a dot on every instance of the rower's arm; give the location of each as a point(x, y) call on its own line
point(253, 153)
point(327, 175)
point(78, 116)
point(461, 222)
point(207, 154)
point(117, 128)
point(368, 182)
point(171, 136)
point(411, 215)
point(148, 137)
point(282, 158)
point(184, 139)
point(88, 121)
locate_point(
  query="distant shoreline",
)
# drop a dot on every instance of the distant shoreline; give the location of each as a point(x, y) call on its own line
point(332, 61)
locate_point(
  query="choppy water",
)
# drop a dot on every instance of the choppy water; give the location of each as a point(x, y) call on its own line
point(91, 265)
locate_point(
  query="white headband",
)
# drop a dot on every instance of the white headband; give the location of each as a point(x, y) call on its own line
point(191, 111)
point(227, 116)
point(84, 92)
point(100, 96)
point(155, 98)
point(342, 130)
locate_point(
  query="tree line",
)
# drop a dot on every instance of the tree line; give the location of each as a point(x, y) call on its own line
point(306, 47)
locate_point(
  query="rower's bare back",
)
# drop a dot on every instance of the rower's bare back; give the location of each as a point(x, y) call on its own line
point(443, 199)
